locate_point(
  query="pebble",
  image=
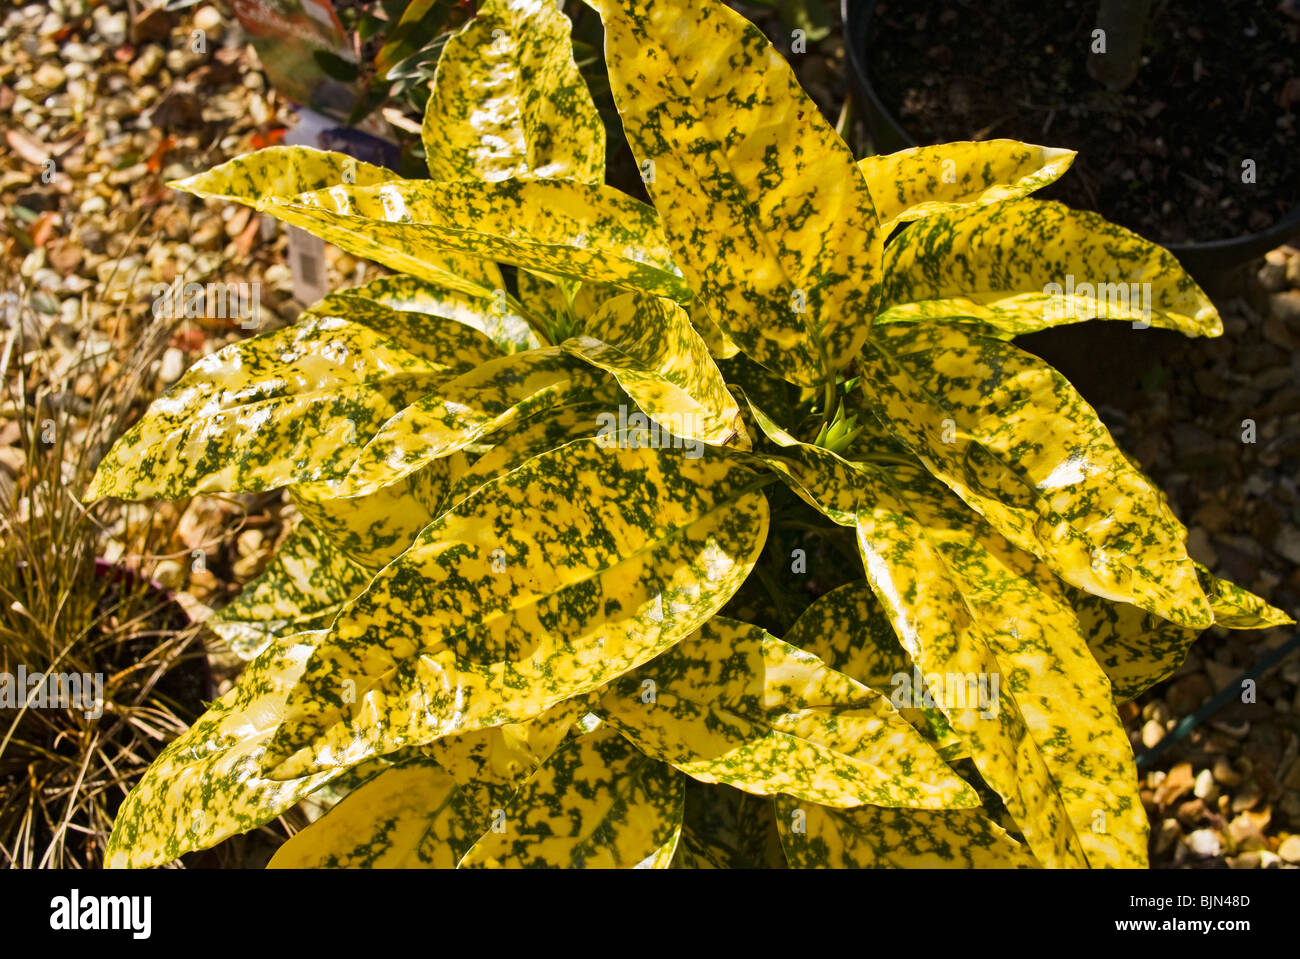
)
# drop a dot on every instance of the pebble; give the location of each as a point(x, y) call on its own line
point(1152, 733)
point(1287, 542)
point(1205, 842)
point(148, 63)
point(1289, 851)
point(210, 21)
point(1225, 774)
point(1286, 307)
point(1272, 276)
point(1205, 787)
point(49, 77)
point(173, 365)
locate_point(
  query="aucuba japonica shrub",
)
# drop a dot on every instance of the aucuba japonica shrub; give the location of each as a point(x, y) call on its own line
point(495, 636)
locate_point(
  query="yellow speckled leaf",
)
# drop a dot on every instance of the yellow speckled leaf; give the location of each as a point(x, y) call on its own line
point(649, 345)
point(596, 803)
point(207, 785)
point(771, 221)
point(412, 816)
point(547, 582)
point(720, 344)
point(495, 394)
point(818, 837)
point(580, 230)
point(1237, 608)
point(372, 528)
point(427, 812)
point(302, 589)
point(967, 605)
point(1025, 265)
point(849, 629)
point(921, 181)
point(1137, 649)
point(507, 100)
point(1010, 435)
point(523, 439)
point(492, 317)
point(277, 174)
point(732, 704)
point(295, 405)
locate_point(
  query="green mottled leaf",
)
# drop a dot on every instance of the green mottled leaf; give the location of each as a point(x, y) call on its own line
point(492, 317)
point(649, 345)
point(1237, 608)
point(596, 803)
point(1025, 265)
point(818, 837)
point(546, 583)
point(372, 528)
point(208, 783)
point(1137, 649)
point(507, 100)
point(581, 230)
point(732, 704)
point(770, 219)
point(851, 632)
point(294, 405)
point(1019, 445)
point(278, 174)
point(967, 605)
point(302, 589)
point(925, 180)
point(495, 394)
point(427, 812)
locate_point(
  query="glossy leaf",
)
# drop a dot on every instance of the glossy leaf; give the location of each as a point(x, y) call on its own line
point(374, 527)
point(850, 631)
point(426, 812)
point(208, 784)
point(732, 704)
point(649, 345)
point(1025, 265)
point(1237, 608)
point(553, 579)
point(819, 837)
point(276, 175)
point(922, 181)
point(495, 394)
point(492, 317)
point(770, 219)
point(720, 344)
point(294, 405)
point(580, 230)
point(507, 100)
point(965, 605)
point(302, 589)
point(1019, 445)
point(596, 803)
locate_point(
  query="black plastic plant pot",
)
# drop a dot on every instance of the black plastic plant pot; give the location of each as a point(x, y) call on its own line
point(1204, 261)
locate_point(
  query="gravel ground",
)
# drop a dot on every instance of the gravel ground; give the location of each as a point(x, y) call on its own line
point(120, 109)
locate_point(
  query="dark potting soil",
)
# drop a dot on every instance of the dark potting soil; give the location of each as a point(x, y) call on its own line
point(1163, 157)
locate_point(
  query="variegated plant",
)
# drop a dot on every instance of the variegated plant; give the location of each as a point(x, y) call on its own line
point(495, 638)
